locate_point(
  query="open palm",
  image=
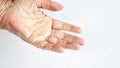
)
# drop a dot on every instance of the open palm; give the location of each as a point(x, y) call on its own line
point(25, 20)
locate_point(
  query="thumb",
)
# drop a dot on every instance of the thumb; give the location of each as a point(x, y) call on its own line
point(49, 5)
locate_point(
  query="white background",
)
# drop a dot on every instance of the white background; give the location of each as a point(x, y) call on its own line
point(100, 21)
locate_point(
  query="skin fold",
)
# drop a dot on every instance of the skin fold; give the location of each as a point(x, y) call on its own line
point(23, 18)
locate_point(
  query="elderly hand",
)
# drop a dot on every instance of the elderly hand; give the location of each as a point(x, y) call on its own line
point(23, 18)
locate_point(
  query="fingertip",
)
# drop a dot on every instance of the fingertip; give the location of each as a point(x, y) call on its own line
point(76, 29)
point(56, 6)
point(58, 49)
point(75, 47)
point(83, 42)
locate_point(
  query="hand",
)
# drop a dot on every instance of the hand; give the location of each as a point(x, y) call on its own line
point(25, 20)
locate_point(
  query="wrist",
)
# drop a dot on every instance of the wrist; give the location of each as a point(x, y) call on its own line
point(4, 5)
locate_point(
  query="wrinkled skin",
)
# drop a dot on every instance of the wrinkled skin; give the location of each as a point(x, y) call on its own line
point(38, 29)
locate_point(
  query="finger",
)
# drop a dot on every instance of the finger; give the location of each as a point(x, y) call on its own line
point(57, 33)
point(73, 39)
point(52, 39)
point(48, 46)
point(57, 48)
point(67, 37)
point(65, 26)
point(72, 46)
point(53, 47)
point(68, 45)
point(67, 40)
point(44, 45)
point(50, 5)
point(39, 44)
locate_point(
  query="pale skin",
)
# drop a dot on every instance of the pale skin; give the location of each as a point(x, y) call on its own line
point(35, 27)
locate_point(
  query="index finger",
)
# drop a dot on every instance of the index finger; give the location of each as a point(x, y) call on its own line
point(57, 24)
